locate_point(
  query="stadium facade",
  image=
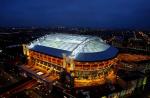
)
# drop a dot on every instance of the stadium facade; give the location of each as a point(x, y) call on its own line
point(88, 59)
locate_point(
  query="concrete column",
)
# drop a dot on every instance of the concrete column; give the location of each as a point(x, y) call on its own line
point(72, 65)
point(24, 49)
point(64, 61)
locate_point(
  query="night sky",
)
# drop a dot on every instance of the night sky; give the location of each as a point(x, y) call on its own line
point(84, 13)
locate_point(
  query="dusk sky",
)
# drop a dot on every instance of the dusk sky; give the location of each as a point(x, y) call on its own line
point(85, 13)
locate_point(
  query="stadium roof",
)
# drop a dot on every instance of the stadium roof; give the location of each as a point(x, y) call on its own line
point(79, 47)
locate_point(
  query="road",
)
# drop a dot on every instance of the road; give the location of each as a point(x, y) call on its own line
point(19, 88)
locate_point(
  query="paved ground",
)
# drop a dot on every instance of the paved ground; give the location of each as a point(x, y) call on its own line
point(132, 57)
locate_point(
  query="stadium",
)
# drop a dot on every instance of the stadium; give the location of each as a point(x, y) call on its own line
point(87, 59)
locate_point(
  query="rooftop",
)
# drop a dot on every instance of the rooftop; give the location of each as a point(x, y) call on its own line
point(75, 46)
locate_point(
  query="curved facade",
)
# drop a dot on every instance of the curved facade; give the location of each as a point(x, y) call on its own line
point(88, 59)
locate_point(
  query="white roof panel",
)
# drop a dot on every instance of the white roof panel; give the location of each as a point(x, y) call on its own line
point(73, 43)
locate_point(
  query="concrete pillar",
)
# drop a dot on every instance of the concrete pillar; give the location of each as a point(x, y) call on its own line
point(72, 65)
point(64, 61)
point(25, 50)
